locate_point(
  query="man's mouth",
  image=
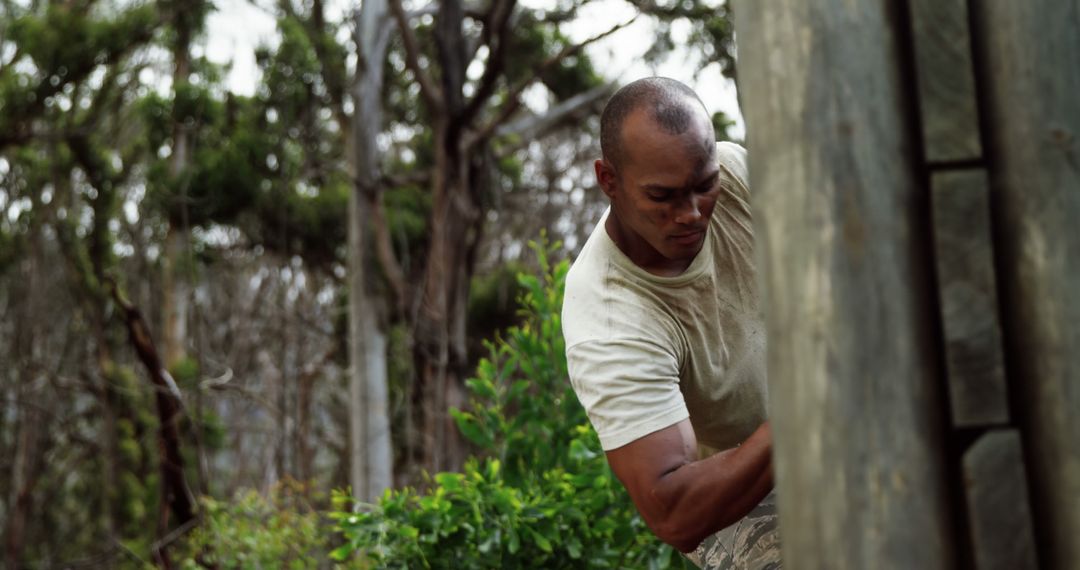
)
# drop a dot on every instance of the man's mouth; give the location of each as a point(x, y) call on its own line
point(688, 238)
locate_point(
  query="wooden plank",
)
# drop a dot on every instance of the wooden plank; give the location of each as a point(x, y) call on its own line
point(969, 303)
point(1029, 58)
point(999, 517)
point(947, 100)
point(854, 395)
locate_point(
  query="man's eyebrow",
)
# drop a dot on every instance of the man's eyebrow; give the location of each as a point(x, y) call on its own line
point(712, 178)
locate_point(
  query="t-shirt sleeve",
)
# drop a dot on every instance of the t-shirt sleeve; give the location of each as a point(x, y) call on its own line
point(629, 388)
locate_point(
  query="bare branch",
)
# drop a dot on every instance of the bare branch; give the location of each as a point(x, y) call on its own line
point(175, 490)
point(513, 100)
point(533, 127)
point(384, 251)
point(431, 93)
point(496, 36)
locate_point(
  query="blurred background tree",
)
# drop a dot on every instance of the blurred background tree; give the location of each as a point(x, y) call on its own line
point(204, 292)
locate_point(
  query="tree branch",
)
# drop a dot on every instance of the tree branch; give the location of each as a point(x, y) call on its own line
point(431, 93)
point(384, 252)
point(513, 100)
point(175, 491)
point(496, 35)
point(536, 126)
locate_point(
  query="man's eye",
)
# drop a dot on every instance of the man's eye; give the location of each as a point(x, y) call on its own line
point(706, 189)
point(658, 198)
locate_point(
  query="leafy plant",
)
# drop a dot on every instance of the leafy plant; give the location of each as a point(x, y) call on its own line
point(255, 531)
point(541, 496)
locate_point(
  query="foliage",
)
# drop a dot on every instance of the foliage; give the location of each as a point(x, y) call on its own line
point(542, 496)
point(533, 43)
point(255, 531)
point(522, 404)
point(134, 494)
point(106, 151)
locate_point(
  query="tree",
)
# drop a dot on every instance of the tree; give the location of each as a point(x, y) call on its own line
point(372, 455)
point(465, 117)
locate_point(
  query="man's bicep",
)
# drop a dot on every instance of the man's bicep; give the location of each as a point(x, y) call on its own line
point(641, 463)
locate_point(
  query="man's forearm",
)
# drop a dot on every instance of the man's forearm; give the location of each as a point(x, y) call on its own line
point(708, 495)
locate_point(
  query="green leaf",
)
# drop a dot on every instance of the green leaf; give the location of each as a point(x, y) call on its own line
point(514, 541)
point(541, 541)
point(449, 481)
point(573, 546)
point(481, 387)
point(471, 429)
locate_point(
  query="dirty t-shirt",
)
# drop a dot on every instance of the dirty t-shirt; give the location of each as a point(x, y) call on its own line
point(645, 352)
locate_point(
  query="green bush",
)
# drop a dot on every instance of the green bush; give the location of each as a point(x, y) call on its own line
point(256, 531)
point(542, 495)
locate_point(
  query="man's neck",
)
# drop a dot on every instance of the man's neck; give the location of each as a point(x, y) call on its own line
point(640, 252)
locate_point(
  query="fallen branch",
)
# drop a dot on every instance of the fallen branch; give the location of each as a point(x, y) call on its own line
point(176, 495)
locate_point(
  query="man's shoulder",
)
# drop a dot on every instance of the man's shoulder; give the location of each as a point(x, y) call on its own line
point(588, 262)
point(603, 299)
point(732, 159)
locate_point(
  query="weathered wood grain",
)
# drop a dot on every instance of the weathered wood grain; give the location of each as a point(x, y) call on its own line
point(1029, 81)
point(946, 79)
point(978, 395)
point(999, 518)
point(853, 384)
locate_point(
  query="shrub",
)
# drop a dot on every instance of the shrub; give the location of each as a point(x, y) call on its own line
point(540, 496)
point(255, 531)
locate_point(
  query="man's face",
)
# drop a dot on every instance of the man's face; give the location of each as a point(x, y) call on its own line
point(663, 192)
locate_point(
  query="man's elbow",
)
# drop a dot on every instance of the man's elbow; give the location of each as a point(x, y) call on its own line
point(670, 519)
point(681, 534)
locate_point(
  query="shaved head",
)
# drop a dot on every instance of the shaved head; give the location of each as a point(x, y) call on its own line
point(671, 105)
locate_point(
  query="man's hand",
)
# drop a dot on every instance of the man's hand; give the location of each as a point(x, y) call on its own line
point(684, 500)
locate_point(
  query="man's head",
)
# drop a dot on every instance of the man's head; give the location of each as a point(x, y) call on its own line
point(660, 171)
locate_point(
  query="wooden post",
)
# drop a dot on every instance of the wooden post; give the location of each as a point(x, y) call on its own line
point(1027, 58)
point(840, 226)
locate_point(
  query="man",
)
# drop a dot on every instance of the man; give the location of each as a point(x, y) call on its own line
point(665, 343)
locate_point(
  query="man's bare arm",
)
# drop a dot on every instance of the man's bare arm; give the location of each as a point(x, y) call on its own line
point(684, 500)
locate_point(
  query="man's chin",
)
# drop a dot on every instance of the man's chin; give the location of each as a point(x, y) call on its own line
point(683, 252)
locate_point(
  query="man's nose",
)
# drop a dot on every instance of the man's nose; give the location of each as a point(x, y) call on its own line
point(689, 211)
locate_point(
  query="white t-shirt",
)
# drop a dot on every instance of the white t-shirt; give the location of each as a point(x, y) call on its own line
point(645, 352)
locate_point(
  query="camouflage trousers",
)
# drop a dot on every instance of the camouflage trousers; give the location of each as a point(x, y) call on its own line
point(753, 543)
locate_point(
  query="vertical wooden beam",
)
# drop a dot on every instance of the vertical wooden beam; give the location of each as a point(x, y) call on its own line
point(855, 402)
point(1028, 71)
point(969, 304)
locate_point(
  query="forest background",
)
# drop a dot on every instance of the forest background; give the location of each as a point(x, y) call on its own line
point(303, 326)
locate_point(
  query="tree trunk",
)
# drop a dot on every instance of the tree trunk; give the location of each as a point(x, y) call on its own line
point(371, 457)
point(840, 216)
point(29, 440)
point(175, 293)
point(440, 354)
point(175, 267)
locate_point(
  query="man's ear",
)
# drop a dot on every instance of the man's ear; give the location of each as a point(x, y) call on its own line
point(605, 177)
